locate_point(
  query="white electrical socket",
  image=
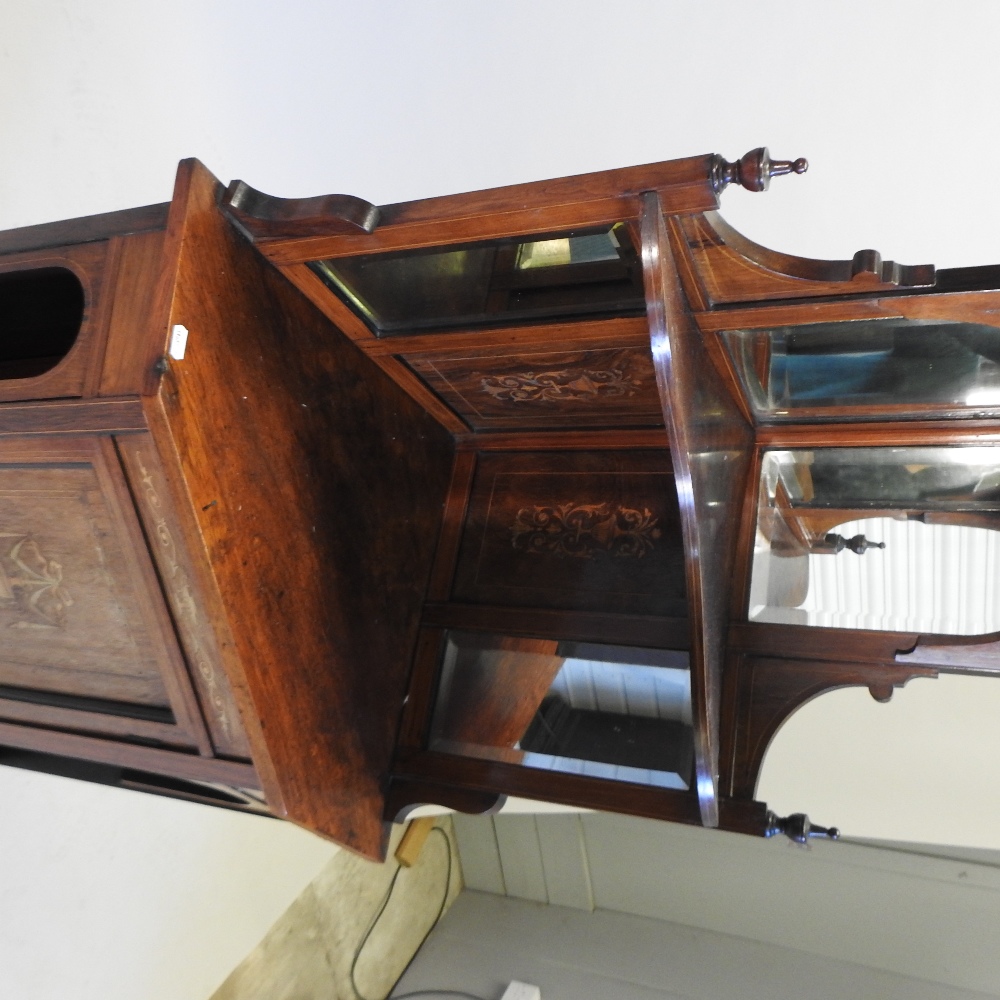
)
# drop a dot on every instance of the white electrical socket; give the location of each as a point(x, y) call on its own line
point(521, 991)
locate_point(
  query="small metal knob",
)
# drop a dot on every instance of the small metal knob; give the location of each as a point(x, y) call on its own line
point(798, 829)
point(753, 170)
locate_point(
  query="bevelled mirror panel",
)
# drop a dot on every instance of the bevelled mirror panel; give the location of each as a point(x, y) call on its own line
point(868, 368)
point(894, 539)
point(533, 280)
point(616, 712)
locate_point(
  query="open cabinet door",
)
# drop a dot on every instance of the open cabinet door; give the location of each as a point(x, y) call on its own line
point(711, 447)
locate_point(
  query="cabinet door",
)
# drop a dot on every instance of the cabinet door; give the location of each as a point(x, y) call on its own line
point(87, 643)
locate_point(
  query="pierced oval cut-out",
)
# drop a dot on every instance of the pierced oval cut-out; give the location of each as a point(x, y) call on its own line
point(41, 313)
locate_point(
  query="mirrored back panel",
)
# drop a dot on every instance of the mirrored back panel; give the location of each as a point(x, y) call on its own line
point(579, 275)
point(868, 368)
point(616, 712)
point(895, 539)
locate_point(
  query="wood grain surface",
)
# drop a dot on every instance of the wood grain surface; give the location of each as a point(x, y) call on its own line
point(525, 389)
point(597, 531)
point(556, 205)
point(710, 444)
point(317, 488)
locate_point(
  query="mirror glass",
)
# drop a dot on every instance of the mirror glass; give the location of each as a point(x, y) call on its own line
point(618, 712)
point(490, 283)
point(897, 539)
point(889, 364)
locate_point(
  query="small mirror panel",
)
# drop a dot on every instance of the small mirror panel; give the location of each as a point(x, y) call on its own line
point(893, 539)
point(504, 282)
point(852, 367)
point(616, 712)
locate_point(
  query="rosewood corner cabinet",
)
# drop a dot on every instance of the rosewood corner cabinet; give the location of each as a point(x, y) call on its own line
point(564, 490)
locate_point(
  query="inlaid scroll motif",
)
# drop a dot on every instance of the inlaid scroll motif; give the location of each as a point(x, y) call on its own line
point(583, 531)
point(183, 598)
point(31, 583)
point(567, 384)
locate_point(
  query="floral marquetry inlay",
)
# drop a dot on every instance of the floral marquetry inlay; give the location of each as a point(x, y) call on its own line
point(579, 530)
point(31, 583)
point(558, 386)
point(516, 388)
point(583, 531)
point(183, 599)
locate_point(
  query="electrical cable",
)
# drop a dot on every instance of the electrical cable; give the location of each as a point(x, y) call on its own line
point(436, 993)
point(378, 916)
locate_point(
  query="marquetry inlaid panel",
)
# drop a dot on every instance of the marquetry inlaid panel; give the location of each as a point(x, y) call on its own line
point(196, 625)
point(580, 530)
point(592, 388)
point(70, 614)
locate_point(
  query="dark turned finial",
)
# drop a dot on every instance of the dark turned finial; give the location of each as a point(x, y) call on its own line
point(861, 545)
point(833, 542)
point(753, 170)
point(798, 829)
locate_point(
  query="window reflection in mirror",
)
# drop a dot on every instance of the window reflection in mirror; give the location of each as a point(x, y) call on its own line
point(577, 275)
point(617, 712)
point(569, 250)
point(882, 363)
point(897, 539)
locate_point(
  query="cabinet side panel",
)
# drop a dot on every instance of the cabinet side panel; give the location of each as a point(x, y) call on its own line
point(317, 486)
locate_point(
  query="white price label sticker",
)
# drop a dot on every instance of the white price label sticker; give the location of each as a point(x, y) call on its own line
point(178, 342)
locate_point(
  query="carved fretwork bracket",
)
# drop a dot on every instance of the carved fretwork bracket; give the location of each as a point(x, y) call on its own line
point(405, 794)
point(726, 267)
point(262, 216)
point(762, 692)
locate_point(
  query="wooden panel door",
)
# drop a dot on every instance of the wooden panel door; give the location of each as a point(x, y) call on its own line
point(87, 645)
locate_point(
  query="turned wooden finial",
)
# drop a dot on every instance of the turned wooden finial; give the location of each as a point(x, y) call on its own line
point(798, 829)
point(753, 170)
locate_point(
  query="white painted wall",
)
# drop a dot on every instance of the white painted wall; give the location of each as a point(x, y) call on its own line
point(924, 767)
point(107, 894)
point(394, 100)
